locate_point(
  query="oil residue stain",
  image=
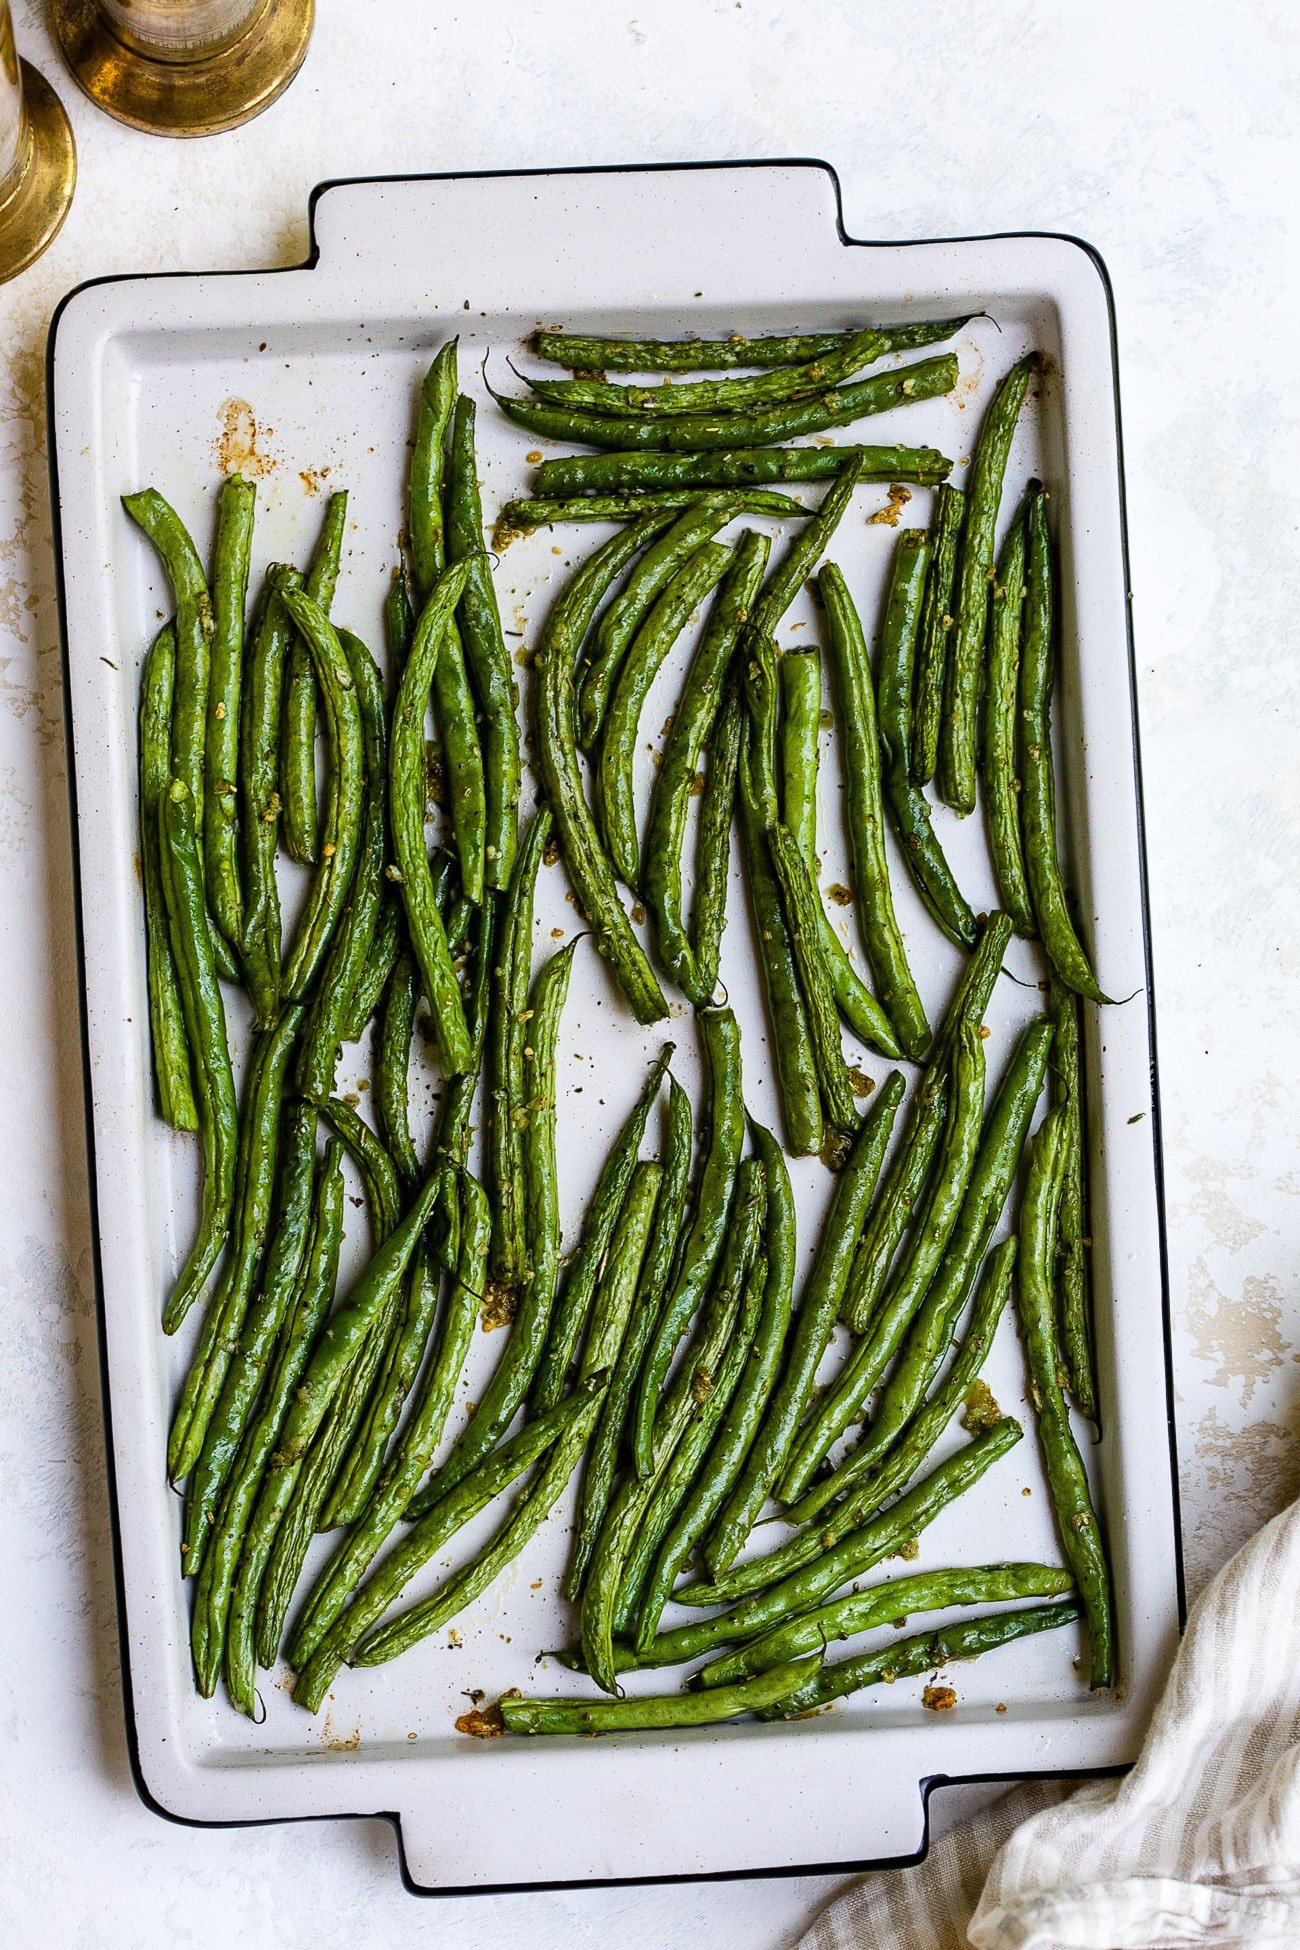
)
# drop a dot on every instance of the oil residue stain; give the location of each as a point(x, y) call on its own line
point(237, 444)
point(339, 1743)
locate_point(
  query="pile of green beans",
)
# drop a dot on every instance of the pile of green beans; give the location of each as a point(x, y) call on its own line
point(669, 1360)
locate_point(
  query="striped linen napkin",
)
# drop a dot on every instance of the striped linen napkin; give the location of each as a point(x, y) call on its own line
point(1199, 1844)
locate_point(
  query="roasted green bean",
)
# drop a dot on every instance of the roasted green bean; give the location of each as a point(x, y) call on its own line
point(1076, 1519)
point(700, 433)
point(908, 804)
point(557, 762)
point(300, 698)
point(786, 382)
point(998, 759)
point(1037, 779)
point(167, 1037)
point(934, 630)
point(617, 474)
point(974, 582)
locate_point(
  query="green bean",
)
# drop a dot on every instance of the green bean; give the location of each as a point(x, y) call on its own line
point(801, 692)
point(887, 1604)
point(610, 1592)
point(406, 1350)
point(274, 1491)
point(888, 957)
point(701, 1392)
point(378, 1176)
point(801, 686)
point(392, 1067)
point(454, 1130)
point(379, 965)
point(271, 1340)
point(998, 760)
point(507, 1101)
point(570, 1316)
point(736, 1442)
point(194, 626)
point(330, 1400)
point(333, 1590)
point(986, 1194)
point(259, 796)
point(343, 818)
point(908, 1173)
point(713, 852)
point(925, 1653)
point(399, 621)
point(617, 1290)
point(656, 1269)
point(221, 741)
point(618, 474)
point(1076, 1519)
point(790, 1041)
point(205, 1029)
point(519, 517)
point(336, 1630)
point(876, 1484)
point(485, 650)
point(747, 395)
point(258, 1336)
point(350, 947)
point(1072, 1271)
point(974, 581)
point(577, 1716)
point(843, 1401)
point(514, 1373)
point(699, 433)
point(907, 803)
point(300, 703)
point(530, 1512)
point(712, 1470)
point(793, 570)
point(167, 1041)
point(427, 479)
point(407, 786)
point(1037, 781)
point(932, 636)
point(697, 712)
point(819, 1305)
point(663, 624)
point(799, 897)
point(720, 1040)
point(251, 1216)
point(698, 524)
point(851, 1557)
point(555, 733)
point(452, 697)
point(715, 355)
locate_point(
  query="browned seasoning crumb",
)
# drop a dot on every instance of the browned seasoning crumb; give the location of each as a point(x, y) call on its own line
point(981, 1411)
point(985, 1032)
point(701, 1385)
point(482, 1723)
point(498, 1306)
point(910, 1550)
point(1026, 1491)
point(899, 496)
point(534, 459)
point(835, 1150)
point(839, 893)
point(939, 1699)
point(1000, 1707)
point(551, 851)
point(697, 785)
point(536, 1585)
point(860, 1083)
point(557, 934)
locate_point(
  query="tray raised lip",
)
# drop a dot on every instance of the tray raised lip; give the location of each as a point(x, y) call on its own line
point(926, 1784)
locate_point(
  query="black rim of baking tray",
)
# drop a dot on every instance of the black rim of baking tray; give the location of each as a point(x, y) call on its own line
point(926, 1786)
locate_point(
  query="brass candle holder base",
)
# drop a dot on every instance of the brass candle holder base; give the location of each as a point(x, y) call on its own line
point(202, 96)
point(38, 202)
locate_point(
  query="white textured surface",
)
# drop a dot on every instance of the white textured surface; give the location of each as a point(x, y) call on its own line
point(1139, 129)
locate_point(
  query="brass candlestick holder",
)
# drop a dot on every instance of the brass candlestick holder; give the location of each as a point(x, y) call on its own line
point(184, 67)
point(38, 158)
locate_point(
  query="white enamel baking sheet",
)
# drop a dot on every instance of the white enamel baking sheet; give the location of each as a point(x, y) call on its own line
point(307, 377)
